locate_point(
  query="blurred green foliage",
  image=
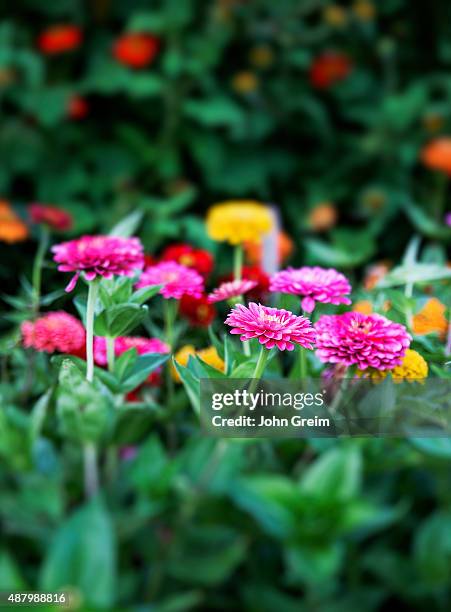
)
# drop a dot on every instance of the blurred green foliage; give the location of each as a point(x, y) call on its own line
point(322, 525)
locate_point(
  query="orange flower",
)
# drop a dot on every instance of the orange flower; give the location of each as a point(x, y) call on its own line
point(285, 247)
point(323, 217)
point(437, 155)
point(431, 318)
point(136, 50)
point(12, 229)
point(329, 68)
point(59, 39)
point(375, 273)
point(364, 306)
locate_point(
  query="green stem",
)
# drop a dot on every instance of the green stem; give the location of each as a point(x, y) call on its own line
point(90, 469)
point(338, 396)
point(440, 196)
point(90, 314)
point(110, 355)
point(170, 313)
point(37, 267)
point(238, 262)
point(261, 363)
point(302, 362)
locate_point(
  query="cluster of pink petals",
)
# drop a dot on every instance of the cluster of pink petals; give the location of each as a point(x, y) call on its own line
point(55, 331)
point(272, 326)
point(105, 256)
point(230, 290)
point(367, 341)
point(316, 285)
point(177, 280)
point(125, 343)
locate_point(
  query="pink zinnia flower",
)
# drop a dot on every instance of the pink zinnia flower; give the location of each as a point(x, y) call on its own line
point(367, 341)
point(124, 343)
point(56, 218)
point(227, 291)
point(315, 284)
point(448, 219)
point(272, 326)
point(177, 280)
point(55, 331)
point(99, 256)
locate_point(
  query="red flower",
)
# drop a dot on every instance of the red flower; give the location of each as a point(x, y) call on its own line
point(78, 107)
point(198, 259)
point(198, 311)
point(149, 260)
point(59, 39)
point(136, 50)
point(54, 217)
point(329, 68)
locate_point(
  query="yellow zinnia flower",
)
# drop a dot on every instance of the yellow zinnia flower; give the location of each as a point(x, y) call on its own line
point(364, 10)
point(335, 15)
point(431, 318)
point(245, 82)
point(261, 56)
point(413, 368)
point(238, 221)
point(209, 355)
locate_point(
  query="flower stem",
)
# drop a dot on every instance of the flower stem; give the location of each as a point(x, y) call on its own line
point(302, 362)
point(440, 196)
point(90, 313)
point(37, 267)
point(170, 313)
point(261, 363)
point(238, 262)
point(110, 356)
point(90, 469)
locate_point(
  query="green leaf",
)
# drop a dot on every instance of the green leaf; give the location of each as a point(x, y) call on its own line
point(118, 320)
point(84, 409)
point(336, 474)
point(83, 555)
point(191, 384)
point(10, 577)
point(432, 549)
point(127, 226)
point(436, 447)
point(207, 555)
point(39, 413)
point(215, 111)
point(417, 273)
point(140, 369)
point(144, 294)
point(425, 224)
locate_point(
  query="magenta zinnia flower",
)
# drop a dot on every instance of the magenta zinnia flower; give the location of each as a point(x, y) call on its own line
point(177, 280)
point(367, 341)
point(125, 343)
point(272, 326)
point(105, 256)
point(315, 284)
point(55, 331)
point(227, 291)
